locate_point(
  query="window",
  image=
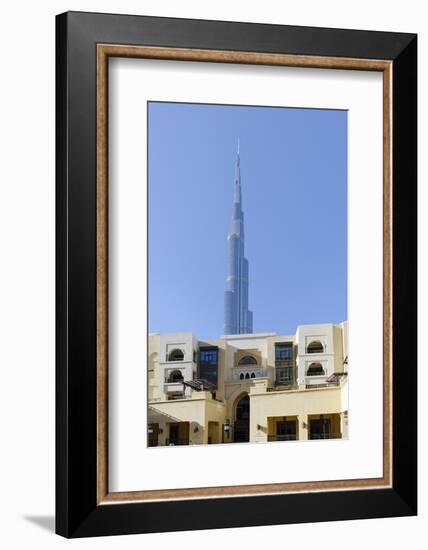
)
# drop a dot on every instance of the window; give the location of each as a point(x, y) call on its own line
point(284, 364)
point(208, 364)
point(315, 347)
point(175, 376)
point(176, 355)
point(284, 351)
point(247, 360)
point(208, 356)
point(315, 369)
point(284, 376)
point(253, 375)
point(241, 376)
point(247, 376)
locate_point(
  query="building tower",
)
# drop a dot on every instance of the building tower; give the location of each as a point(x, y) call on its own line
point(237, 317)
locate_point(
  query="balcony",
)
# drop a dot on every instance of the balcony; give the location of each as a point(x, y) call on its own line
point(314, 382)
point(335, 380)
point(288, 387)
point(173, 387)
point(174, 380)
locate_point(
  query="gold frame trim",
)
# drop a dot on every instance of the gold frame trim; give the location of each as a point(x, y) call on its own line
point(104, 51)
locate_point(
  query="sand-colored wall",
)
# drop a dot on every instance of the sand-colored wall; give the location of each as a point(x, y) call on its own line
point(198, 411)
point(293, 403)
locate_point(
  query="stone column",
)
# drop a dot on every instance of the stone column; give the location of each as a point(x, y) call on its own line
point(303, 427)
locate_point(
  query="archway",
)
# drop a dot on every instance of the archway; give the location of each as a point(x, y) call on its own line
point(315, 369)
point(176, 355)
point(315, 347)
point(175, 376)
point(241, 429)
point(247, 360)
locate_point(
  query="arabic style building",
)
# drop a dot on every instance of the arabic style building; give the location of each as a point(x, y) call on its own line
point(248, 387)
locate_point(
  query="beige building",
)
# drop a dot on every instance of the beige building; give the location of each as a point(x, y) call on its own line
point(248, 387)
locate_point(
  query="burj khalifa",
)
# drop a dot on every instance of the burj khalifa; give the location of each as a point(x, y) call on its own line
point(238, 319)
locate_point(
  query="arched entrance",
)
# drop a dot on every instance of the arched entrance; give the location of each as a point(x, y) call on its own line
point(241, 430)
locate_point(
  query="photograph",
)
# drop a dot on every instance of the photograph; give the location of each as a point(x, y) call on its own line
point(212, 307)
point(247, 274)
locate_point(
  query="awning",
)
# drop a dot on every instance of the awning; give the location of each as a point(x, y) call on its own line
point(200, 385)
point(156, 416)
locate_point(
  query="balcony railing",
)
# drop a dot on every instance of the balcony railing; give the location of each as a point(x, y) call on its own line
point(283, 387)
point(293, 437)
point(320, 385)
point(335, 379)
point(326, 436)
point(286, 437)
point(284, 381)
point(176, 442)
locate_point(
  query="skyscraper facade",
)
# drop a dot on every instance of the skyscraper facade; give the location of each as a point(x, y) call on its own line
point(238, 319)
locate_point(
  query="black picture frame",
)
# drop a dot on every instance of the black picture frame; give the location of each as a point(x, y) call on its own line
point(77, 511)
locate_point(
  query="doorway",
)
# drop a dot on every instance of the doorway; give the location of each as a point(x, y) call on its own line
point(286, 430)
point(153, 435)
point(241, 431)
point(324, 426)
point(213, 432)
point(178, 433)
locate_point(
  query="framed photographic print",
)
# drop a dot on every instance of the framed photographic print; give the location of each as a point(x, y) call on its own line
point(236, 274)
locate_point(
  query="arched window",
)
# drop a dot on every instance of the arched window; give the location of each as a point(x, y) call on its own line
point(253, 375)
point(175, 376)
point(176, 355)
point(315, 347)
point(315, 369)
point(247, 376)
point(241, 376)
point(247, 360)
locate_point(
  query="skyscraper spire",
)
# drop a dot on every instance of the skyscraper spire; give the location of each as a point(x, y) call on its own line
point(237, 317)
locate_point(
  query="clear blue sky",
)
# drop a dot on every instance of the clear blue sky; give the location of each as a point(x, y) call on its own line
point(294, 185)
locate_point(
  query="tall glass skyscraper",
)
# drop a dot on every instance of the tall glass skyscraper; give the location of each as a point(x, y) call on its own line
point(238, 319)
